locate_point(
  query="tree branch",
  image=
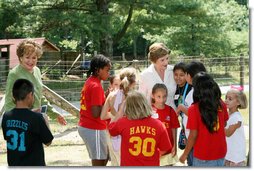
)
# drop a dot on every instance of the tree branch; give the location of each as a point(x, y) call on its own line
point(121, 33)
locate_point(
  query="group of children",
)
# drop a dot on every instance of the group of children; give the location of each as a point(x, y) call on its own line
point(204, 118)
point(139, 132)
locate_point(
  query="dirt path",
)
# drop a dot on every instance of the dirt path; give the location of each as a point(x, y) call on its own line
point(68, 149)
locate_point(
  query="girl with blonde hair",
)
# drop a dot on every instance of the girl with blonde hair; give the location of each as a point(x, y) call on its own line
point(144, 139)
point(111, 107)
point(235, 136)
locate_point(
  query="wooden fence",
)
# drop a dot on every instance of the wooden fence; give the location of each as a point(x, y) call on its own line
point(225, 70)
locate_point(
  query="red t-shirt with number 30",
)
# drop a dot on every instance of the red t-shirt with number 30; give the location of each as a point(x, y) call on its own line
point(142, 141)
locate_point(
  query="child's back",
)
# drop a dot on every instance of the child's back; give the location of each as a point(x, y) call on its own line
point(25, 131)
point(142, 141)
point(143, 138)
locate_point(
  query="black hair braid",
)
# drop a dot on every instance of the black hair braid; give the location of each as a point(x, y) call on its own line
point(98, 62)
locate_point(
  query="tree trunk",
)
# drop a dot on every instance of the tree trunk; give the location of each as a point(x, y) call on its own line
point(106, 39)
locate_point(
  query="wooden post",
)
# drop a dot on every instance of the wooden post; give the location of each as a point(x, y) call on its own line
point(241, 63)
point(135, 47)
point(123, 57)
point(226, 65)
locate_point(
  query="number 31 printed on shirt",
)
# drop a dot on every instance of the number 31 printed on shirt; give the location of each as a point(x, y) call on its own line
point(142, 146)
point(17, 140)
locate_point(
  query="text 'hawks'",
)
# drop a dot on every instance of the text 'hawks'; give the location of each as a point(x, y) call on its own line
point(142, 129)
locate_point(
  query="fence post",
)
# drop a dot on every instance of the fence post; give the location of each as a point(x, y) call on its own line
point(123, 57)
point(241, 63)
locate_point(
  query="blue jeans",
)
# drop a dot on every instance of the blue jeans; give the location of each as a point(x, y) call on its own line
point(207, 163)
point(190, 158)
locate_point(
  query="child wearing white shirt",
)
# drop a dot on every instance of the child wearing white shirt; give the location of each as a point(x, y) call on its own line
point(235, 137)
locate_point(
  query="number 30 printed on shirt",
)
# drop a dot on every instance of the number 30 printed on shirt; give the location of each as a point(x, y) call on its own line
point(142, 146)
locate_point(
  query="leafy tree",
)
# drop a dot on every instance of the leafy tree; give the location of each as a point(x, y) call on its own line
point(189, 27)
point(198, 27)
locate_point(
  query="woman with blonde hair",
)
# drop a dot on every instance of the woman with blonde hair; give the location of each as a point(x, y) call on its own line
point(28, 52)
point(158, 72)
point(144, 139)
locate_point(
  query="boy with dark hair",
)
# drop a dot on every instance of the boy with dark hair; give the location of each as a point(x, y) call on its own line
point(25, 131)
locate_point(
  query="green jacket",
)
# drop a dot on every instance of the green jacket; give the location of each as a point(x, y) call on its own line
point(35, 77)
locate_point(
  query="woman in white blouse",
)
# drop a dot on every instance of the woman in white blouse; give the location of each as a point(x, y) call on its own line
point(158, 72)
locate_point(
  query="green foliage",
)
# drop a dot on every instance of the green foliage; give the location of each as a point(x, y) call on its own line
point(66, 44)
point(203, 28)
point(188, 27)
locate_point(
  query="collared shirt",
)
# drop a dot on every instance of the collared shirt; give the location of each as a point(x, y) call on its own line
point(149, 77)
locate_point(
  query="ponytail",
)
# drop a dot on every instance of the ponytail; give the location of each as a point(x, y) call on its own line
point(124, 85)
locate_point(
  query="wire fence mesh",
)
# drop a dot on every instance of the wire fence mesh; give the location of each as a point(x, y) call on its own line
point(67, 78)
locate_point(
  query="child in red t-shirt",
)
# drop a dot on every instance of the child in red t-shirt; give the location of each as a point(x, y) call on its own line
point(91, 128)
point(206, 121)
point(127, 78)
point(144, 139)
point(168, 117)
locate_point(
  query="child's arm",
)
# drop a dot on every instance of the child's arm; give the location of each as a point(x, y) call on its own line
point(46, 120)
point(120, 113)
point(182, 108)
point(109, 106)
point(96, 111)
point(174, 149)
point(48, 143)
point(190, 143)
point(231, 129)
point(104, 112)
point(45, 133)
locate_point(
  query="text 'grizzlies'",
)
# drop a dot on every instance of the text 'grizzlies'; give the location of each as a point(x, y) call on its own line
point(16, 124)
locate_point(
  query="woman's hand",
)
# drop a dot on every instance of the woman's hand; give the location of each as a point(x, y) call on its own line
point(61, 120)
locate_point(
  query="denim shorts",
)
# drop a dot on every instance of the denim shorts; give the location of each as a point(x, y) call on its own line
point(207, 163)
point(190, 158)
